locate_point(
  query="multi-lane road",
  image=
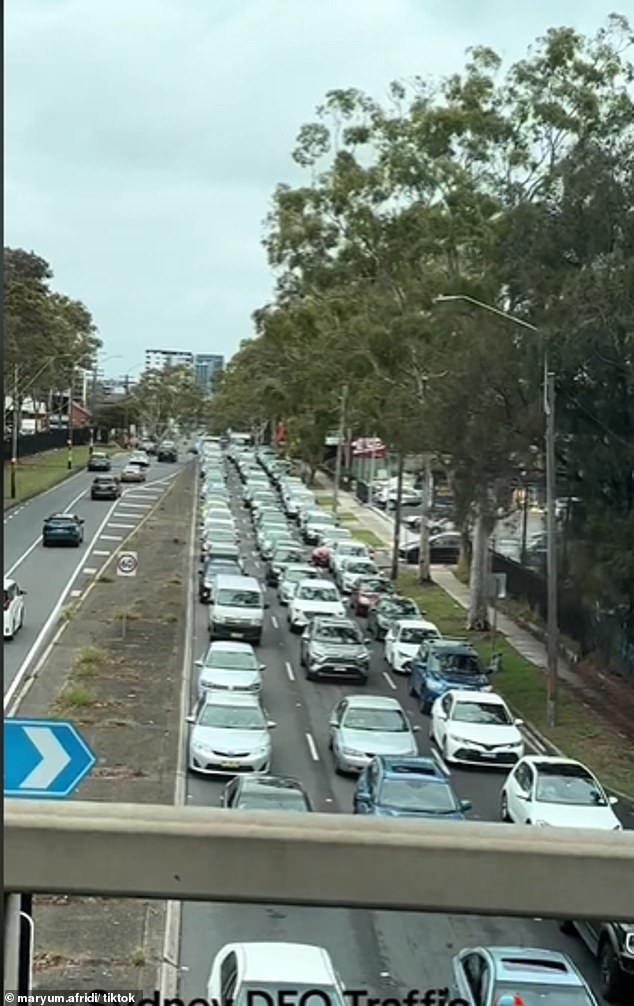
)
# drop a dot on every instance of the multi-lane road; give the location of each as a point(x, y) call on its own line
point(386, 953)
point(55, 577)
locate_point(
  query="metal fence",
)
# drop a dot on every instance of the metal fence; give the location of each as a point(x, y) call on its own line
point(50, 440)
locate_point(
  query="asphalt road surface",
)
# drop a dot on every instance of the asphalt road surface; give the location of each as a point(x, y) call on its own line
point(384, 952)
point(53, 577)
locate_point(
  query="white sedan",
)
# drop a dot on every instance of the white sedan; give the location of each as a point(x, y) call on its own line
point(311, 598)
point(476, 728)
point(557, 792)
point(403, 641)
point(230, 734)
point(230, 666)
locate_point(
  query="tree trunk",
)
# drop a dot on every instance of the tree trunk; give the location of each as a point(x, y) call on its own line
point(397, 517)
point(478, 613)
point(424, 565)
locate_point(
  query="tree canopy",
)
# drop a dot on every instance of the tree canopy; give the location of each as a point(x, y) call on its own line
point(513, 186)
point(46, 333)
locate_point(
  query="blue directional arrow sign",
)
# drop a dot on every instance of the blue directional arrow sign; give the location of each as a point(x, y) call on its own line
point(44, 759)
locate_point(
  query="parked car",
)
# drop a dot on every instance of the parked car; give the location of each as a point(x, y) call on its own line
point(444, 550)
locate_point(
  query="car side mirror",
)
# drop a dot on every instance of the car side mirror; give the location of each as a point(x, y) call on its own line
point(271, 724)
point(267, 604)
point(23, 592)
point(367, 640)
point(262, 667)
point(416, 728)
point(465, 805)
point(612, 800)
point(198, 663)
point(519, 723)
point(522, 796)
point(190, 719)
point(334, 723)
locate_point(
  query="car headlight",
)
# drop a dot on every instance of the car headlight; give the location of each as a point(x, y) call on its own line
point(542, 824)
point(219, 619)
point(202, 748)
point(464, 740)
point(351, 753)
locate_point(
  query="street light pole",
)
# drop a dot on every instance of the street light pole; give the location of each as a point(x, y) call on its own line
point(17, 415)
point(69, 441)
point(551, 494)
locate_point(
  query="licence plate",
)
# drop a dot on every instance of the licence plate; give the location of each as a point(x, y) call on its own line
point(229, 764)
point(236, 635)
point(340, 670)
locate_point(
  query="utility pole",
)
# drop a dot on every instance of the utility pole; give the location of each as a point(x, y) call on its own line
point(524, 519)
point(396, 544)
point(553, 631)
point(93, 409)
point(424, 570)
point(69, 442)
point(126, 418)
point(17, 415)
point(340, 442)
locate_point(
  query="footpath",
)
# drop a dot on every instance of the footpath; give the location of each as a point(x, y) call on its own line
point(593, 694)
point(122, 688)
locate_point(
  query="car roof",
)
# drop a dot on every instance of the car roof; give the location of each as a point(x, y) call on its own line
point(463, 695)
point(232, 698)
point(255, 782)
point(311, 582)
point(415, 623)
point(270, 963)
point(233, 647)
point(550, 760)
point(335, 620)
point(300, 567)
point(238, 581)
point(373, 702)
point(534, 966)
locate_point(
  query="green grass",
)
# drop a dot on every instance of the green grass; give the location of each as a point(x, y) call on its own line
point(579, 734)
point(324, 500)
point(369, 537)
point(38, 473)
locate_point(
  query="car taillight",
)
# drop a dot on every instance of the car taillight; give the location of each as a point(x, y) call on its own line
point(6, 604)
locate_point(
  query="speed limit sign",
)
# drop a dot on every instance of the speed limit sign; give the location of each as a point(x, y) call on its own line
point(128, 564)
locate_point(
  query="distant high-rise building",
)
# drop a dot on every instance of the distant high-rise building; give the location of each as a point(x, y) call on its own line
point(158, 359)
point(206, 365)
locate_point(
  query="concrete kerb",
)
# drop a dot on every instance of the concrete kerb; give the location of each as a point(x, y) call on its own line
point(22, 693)
point(169, 970)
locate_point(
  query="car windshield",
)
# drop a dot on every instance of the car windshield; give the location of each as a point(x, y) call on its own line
point(297, 575)
point(389, 721)
point(338, 634)
point(360, 567)
point(61, 521)
point(233, 717)
point(417, 794)
point(317, 593)
point(221, 553)
point(240, 598)
point(415, 636)
point(487, 713)
point(372, 586)
point(568, 784)
point(286, 554)
point(349, 550)
point(221, 569)
point(265, 798)
point(465, 664)
point(542, 994)
point(405, 607)
point(231, 660)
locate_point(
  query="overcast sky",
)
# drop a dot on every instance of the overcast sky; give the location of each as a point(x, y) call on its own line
point(143, 138)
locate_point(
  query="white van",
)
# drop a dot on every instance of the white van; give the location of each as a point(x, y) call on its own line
point(236, 609)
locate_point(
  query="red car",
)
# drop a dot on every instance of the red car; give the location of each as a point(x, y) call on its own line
point(321, 555)
point(366, 593)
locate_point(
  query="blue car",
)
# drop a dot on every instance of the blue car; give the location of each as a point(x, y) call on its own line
point(408, 787)
point(63, 529)
point(442, 664)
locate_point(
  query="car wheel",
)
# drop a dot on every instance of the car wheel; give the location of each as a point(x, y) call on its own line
point(567, 927)
point(613, 982)
point(338, 768)
point(504, 809)
point(411, 690)
point(425, 707)
point(444, 750)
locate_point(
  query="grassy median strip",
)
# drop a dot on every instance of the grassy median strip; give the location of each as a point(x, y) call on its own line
point(580, 734)
point(42, 471)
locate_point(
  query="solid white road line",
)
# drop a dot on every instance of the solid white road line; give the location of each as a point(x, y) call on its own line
point(390, 681)
point(312, 747)
point(289, 671)
point(274, 622)
point(37, 541)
